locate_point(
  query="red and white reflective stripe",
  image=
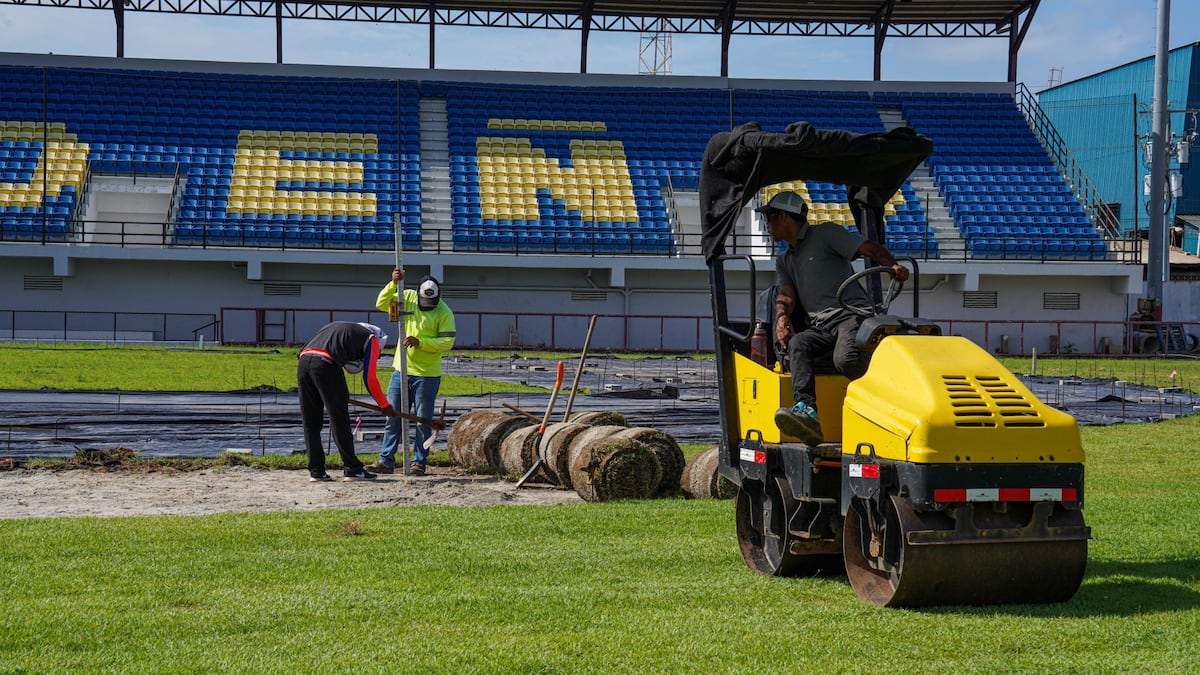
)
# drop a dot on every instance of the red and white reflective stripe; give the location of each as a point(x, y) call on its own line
point(864, 471)
point(1005, 495)
point(756, 456)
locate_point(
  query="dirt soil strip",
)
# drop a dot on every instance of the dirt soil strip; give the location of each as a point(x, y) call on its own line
point(45, 493)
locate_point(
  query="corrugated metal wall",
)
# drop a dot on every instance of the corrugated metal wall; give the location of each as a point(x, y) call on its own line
point(1106, 120)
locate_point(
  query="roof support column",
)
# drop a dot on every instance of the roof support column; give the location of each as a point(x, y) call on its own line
point(585, 30)
point(727, 14)
point(880, 36)
point(432, 34)
point(882, 19)
point(1017, 37)
point(279, 31)
point(119, 17)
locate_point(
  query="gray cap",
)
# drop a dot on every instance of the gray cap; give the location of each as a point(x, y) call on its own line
point(788, 201)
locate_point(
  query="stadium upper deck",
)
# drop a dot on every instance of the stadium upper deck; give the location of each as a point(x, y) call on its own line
point(308, 161)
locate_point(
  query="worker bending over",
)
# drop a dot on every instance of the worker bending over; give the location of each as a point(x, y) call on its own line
point(354, 347)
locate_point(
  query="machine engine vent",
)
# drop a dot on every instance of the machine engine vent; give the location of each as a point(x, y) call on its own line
point(989, 401)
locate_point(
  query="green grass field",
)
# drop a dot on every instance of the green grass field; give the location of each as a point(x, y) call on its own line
point(157, 368)
point(654, 586)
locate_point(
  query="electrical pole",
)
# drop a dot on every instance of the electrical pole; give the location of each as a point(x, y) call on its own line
point(1156, 272)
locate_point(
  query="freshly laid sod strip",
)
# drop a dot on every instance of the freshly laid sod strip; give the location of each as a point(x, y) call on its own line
point(652, 586)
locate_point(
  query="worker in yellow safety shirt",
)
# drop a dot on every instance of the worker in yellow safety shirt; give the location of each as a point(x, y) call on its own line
point(429, 334)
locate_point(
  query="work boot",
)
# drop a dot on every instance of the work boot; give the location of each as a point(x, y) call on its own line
point(380, 467)
point(800, 422)
point(415, 469)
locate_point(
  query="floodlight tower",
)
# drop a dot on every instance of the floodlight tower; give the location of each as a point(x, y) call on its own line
point(1055, 78)
point(654, 51)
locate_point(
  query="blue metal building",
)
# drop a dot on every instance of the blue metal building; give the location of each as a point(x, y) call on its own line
point(1106, 121)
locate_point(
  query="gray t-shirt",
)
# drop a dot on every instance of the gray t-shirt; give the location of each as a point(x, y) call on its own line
point(819, 263)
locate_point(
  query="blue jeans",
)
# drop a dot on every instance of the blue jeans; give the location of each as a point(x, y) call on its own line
point(422, 391)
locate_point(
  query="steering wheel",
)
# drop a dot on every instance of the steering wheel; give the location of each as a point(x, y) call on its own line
point(893, 290)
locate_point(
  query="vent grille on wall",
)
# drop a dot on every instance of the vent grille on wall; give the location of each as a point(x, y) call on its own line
point(1060, 301)
point(460, 294)
point(589, 296)
point(979, 299)
point(281, 289)
point(37, 283)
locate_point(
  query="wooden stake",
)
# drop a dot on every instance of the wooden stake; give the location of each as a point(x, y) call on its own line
point(579, 368)
point(525, 413)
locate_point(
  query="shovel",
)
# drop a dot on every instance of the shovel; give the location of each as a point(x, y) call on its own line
point(437, 424)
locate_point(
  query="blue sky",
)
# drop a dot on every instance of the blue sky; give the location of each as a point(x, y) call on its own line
point(1079, 36)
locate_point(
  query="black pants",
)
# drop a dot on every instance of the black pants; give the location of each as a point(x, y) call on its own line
point(322, 387)
point(815, 342)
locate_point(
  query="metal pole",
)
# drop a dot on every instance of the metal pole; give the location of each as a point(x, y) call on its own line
point(401, 350)
point(1156, 271)
point(587, 341)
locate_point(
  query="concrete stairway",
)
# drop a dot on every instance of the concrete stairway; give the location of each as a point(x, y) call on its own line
point(436, 222)
point(937, 213)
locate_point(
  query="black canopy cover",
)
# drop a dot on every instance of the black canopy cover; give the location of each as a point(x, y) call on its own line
point(738, 163)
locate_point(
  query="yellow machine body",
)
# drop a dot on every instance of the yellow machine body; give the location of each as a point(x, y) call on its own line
point(943, 399)
point(762, 391)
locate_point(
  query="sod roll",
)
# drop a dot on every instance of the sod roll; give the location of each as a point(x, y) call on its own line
point(600, 418)
point(518, 451)
point(702, 480)
point(474, 441)
point(670, 457)
point(555, 451)
point(604, 468)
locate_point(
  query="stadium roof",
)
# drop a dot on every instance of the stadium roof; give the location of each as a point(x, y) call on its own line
point(876, 19)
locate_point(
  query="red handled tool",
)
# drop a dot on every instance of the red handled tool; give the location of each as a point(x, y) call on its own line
point(537, 463)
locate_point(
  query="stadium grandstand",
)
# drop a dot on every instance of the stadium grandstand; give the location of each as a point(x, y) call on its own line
point(181, 201)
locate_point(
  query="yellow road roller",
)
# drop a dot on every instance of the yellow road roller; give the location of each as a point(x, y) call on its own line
point(941, 479)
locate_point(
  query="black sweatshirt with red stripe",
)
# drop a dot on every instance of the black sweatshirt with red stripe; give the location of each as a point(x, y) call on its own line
point(344, 342)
